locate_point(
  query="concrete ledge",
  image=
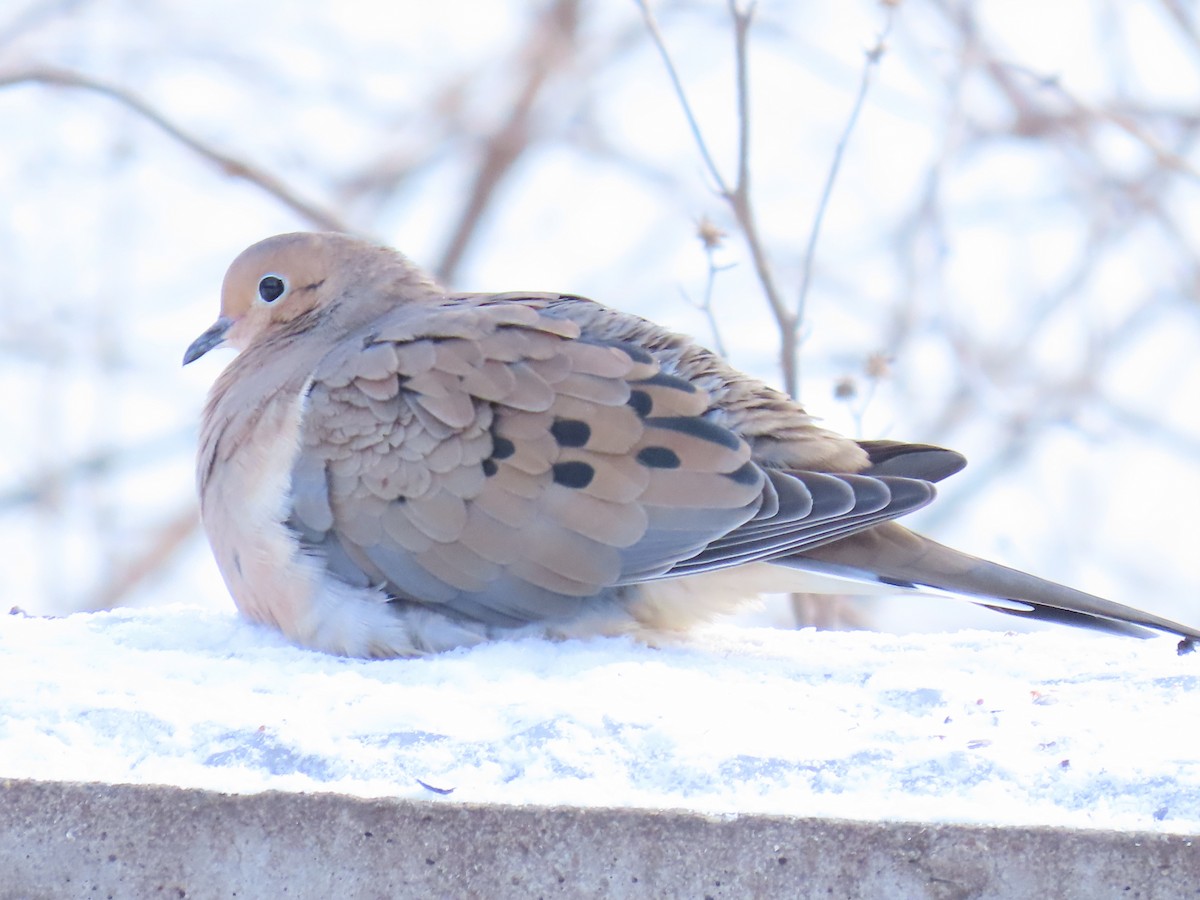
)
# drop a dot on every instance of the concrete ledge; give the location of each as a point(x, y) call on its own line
point(101, 840)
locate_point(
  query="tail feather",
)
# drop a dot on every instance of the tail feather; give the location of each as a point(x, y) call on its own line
point(893, 553)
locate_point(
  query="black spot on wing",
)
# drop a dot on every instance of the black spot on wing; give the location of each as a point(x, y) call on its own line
point(489, 467)
point(698, 428)
point(658, 458)
point(571, 432)
point(502, 448)
point(641, 402)
point(747, 473)
point(573, 474)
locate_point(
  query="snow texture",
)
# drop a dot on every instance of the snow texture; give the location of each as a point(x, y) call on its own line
point(1050, 728)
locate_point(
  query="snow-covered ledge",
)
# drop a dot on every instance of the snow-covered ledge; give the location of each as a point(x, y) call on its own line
point(119, 841)
point(849, 755)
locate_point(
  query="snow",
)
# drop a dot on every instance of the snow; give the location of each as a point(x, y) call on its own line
point(1049, 728)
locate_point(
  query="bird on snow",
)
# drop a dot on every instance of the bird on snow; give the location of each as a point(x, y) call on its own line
point(390, 469)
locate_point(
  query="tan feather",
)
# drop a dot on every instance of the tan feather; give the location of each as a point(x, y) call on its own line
point(439, 514)
point(602, 391)
point(458, 565)
point(494, 538)
point(530, 392)
point(612, 524)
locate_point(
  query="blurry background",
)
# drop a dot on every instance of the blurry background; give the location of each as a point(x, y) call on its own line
point(1006, 261)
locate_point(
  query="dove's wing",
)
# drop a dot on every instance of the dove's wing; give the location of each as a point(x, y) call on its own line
point(484, 458)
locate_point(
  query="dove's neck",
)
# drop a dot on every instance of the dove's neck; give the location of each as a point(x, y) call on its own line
point(401, 285)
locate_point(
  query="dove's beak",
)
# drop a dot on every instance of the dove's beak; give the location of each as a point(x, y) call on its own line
point(213, 337)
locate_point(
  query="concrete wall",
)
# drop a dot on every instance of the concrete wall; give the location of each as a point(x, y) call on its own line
point(100, 841)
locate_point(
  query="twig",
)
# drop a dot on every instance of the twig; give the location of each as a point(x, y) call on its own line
point(1187, 27)
point(1088, 112)
point(789, 321)
point(656, 36)
point(873, 56)
point(235, 168)
point(743, 209)
point(706, 306)
point(550, 44)
point(737, 196)
point(710, 239)
point(876, 368)
point(166, 543)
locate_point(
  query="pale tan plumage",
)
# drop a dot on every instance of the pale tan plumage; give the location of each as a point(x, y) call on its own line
point(387, 469)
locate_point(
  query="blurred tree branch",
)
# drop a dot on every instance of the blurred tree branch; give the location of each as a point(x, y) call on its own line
point(789, 321)
point(737, 195)
point(50, 76)
point(548, 50)
point(166, 541)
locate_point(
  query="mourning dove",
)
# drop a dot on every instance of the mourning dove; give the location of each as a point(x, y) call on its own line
point(388, 469)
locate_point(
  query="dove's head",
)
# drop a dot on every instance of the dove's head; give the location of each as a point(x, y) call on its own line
point(280, 279)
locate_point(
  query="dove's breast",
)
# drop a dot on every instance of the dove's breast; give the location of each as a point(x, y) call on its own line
point(244, 473)
point(246, 500)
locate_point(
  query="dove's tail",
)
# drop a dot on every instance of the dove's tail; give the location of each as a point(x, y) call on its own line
point(894, 555)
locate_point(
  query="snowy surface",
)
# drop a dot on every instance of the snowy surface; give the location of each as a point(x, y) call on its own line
point(1053, 728)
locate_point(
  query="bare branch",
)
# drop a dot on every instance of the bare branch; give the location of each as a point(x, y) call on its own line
point(742, 17)
point(168, 540)
point(1183, 20)
point(235, 168)
point(873, 56)
point(549, 48)
point(876, 368)
point(737, 197)
point(656, 36)
point(1081, 111)
point(710, 239)
point(743, 208)
point(789, 321)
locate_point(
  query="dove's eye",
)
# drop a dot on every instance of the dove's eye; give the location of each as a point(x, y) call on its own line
point(271, 288)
